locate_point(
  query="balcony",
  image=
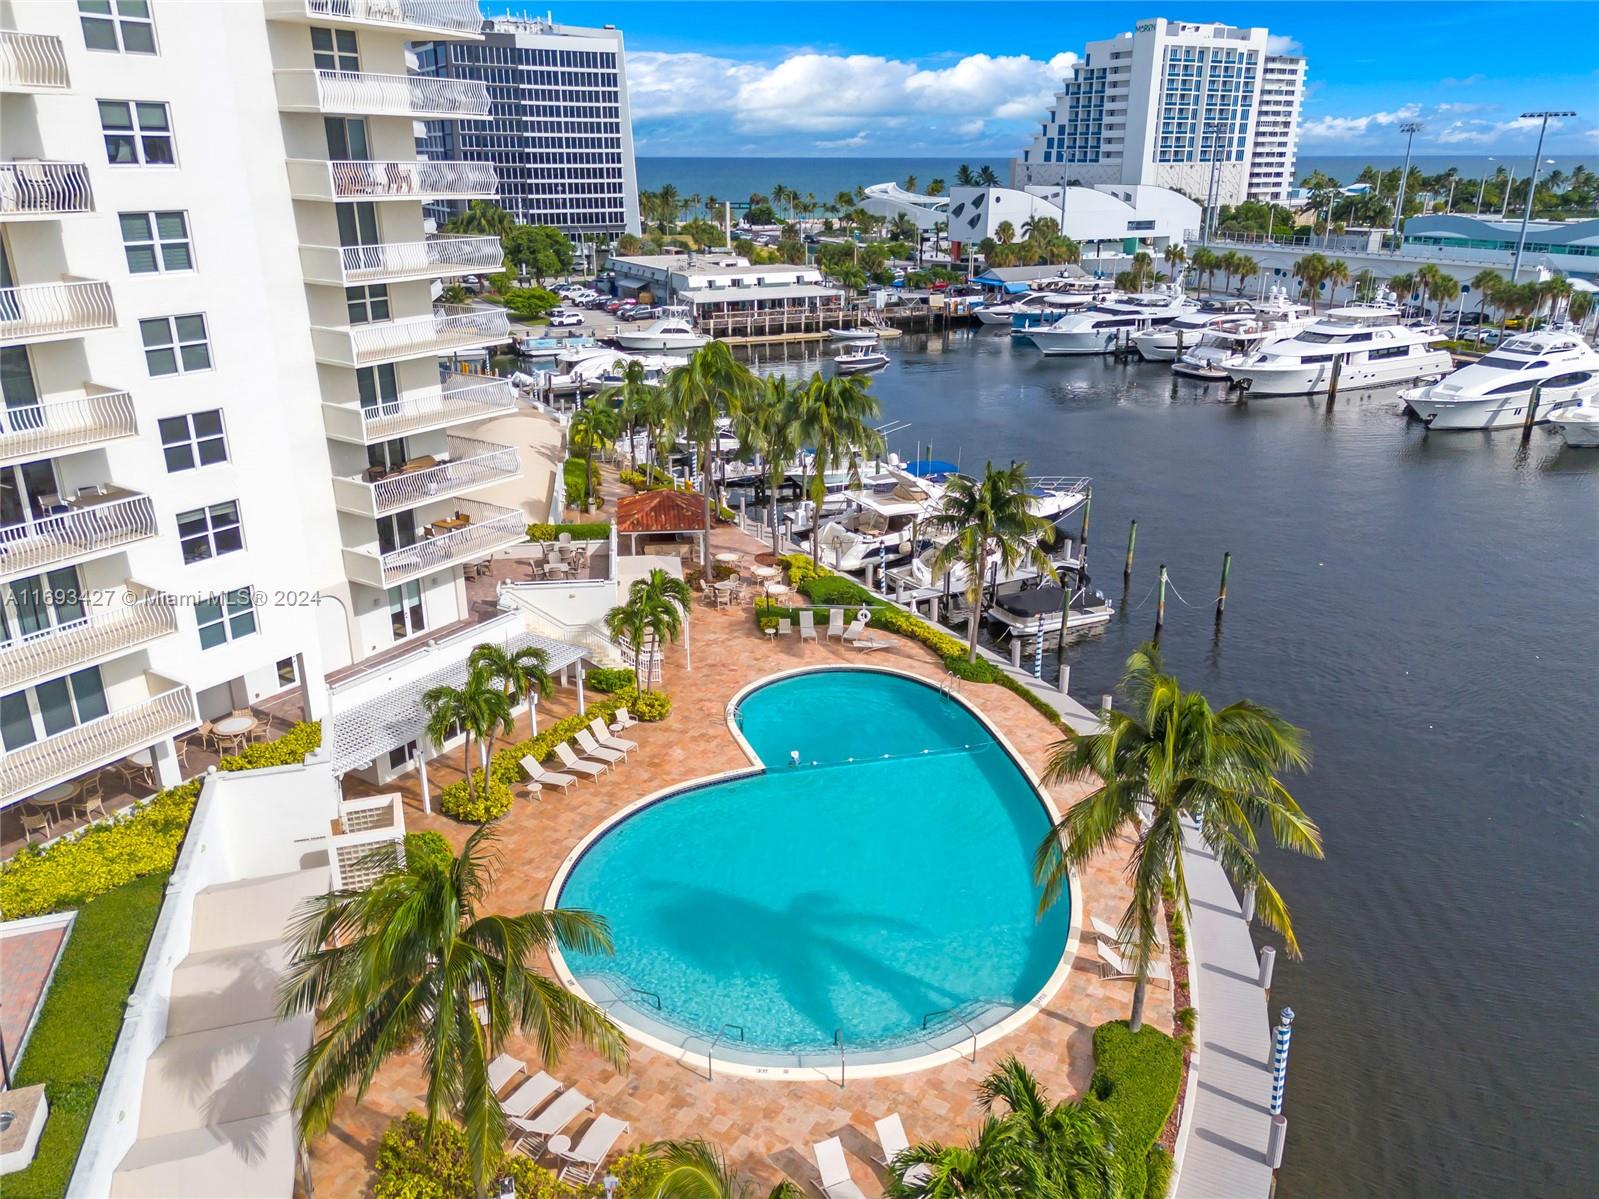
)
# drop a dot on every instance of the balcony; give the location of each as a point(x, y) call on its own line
point(74, 422)
point(443, 332)
point(405, 179)
point(395, 262)
point(426, 18)
point(73, 530)
point(49, 311)
point(470, 464)
point(166, 710)
point(460, 398)
point(490, 528)
point(36, 190)
point(360, 93)
point(124, 622)
point(32, 62)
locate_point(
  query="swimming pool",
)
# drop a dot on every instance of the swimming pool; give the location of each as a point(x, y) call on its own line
point(876, 896)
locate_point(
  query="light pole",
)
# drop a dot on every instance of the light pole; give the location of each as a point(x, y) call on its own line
point(1213, 129)
point(1449, 204)
point(1409, 129)
point(1504, 204)
point(1532, 183)
point(1481, 183)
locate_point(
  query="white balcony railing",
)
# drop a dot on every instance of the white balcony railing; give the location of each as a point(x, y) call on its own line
point(39, 311)
point(492, 527)
point(458, 17)
point(433, 258)
point(124, 622)
point(37, 430)
point(460, 398)
point(44, 189)
point(411, 337)
point(89, 525)
point(73, 751)
point(32, 62)
point(471, 463)
point(366, 94)
point(402, 179)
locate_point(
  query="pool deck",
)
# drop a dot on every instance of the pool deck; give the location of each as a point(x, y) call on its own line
point(766, 1128)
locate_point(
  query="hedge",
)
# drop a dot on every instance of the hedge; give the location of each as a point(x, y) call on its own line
point(424, 849)
point(488, 800)
point(1136, 1078)
point(608, 680)
point(577, 484)
point(137, 841)
point(591, 530)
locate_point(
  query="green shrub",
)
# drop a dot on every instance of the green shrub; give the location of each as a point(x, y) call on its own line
point(1186, 1018)
point(1157, 1173)
point(647, 706)
point(634, 479)
point(426, 849)
point(1136, 1078)
point(488, 801)
point(137, 841)
point(836, 589)
point(588, 530)
point(578, 485)
point(608, 679)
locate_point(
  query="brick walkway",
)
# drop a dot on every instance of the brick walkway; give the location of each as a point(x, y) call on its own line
point(766, 1128)
point(26, 959)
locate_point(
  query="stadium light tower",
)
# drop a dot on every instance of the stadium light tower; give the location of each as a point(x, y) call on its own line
point(1532, 184)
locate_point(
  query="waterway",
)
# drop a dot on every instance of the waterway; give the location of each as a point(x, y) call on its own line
point(1424, 604)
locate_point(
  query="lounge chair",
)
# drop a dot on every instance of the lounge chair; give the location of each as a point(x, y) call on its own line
point(835, 622)
point(892, 1140)
point(857, 628)
point(603, 736)
point(502, 1070)
point(1113, 965)
point(536, 1133)
point(833, 1178)
point(545, 778)
point(1107, 932)
point(867, 644)
point(785, 626)
point(593, 750)
point(583, 1160)
point(807, 626)
point(529, 1095)
point(572, 762)
point(622, 721)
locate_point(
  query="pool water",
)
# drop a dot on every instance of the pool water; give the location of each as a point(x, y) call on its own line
point(842, 898)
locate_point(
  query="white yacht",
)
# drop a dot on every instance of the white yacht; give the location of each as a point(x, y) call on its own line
point(860, 333)
point(1030, 612)
point(1097, 330)
point(669, 333)
point(859, 356)
point(1579, 424)
point(1368, 342)
point(1161, 343)
point(1494, 391)
point(1277, 319)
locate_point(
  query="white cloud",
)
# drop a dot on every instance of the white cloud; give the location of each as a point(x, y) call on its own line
point(1349, 129)
point(1281, 43)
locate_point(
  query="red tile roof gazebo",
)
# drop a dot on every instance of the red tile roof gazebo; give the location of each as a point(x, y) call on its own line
point(659, 512)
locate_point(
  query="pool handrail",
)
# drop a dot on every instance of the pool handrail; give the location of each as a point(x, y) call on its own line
point(710, 1054)
point(959, 1019)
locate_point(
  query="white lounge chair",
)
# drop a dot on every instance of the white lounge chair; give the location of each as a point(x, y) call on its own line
point(583, 1160)
point(833, 1178)
point(603, 736)
point(867, 644)
point(892, 1140)
point(572, 762)
point(545, 778)
point(857, 628)
point(502, 1070)
point(835, 622)
point(807, 625)
point(536, 1133)
point(622, 721)
point(1113, 965)
point(596, 752)
point(529, 1095)
point(1107, 932)
point(785, 626)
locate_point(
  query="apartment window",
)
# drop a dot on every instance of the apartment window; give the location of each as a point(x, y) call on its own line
point(287, 673)
point(226, 617)
point(334, 50)
point(405, 610)
point(175, 345)
point(156, 242)
point(401, 756)
point(379, 388)
point(137, 132)
point(195, 439)
point(368, 304)
point(210, 532)
point(120, 26)
point(51, 708)
point(346, 139)
point(358, 223)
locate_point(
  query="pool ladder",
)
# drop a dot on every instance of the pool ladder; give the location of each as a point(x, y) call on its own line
point(710, 1054)
point(951, 684)
point(959, 1019)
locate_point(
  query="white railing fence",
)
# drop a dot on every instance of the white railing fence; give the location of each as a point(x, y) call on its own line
point(56, 538)
point(32, 767)
point(44, 187)
point(362, 91)
point(39, 429)
point(412, 178)
point(66, 308)
point(483, 397)
point(472, 462)
point(461, 16)
point(410, 257)
point(128, 620)
point(31, 60)
point(426, 334)
point(473, 540)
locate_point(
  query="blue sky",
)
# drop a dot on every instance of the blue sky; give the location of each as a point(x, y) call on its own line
point(913, 77)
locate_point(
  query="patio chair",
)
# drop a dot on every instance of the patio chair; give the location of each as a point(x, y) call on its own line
point(1112, 965)
point(572, 762)
point(35, 824)
point(835, 622)
point(540, 776)
point(584, 1159)
point(603, 736)
point(536, 1133)
point(502, 1070)
point(785, 626)
point(833, 1178)
point(594, 751)
point(867, 644)
point(1108, 933)
point(857, 629)
point(91, 805)
point(891, 1139)
point(529, 1095)
point(623, 721)
point(807, 625)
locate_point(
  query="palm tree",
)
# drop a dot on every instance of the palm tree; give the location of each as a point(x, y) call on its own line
point(1484, 282)
point(964, 176)
point(1245, 267)
point(910, 183)
point(1176, 257)
point(481, 217)
point(1074, 1143)
point(1365, 285)
point(1337, 276)
point(653, 615)
point(478, 708)
point(833, 415)
point(697, 1170)
point(711, 384)
point(1444, 288)
point(1173, 760)
point(667, 207)
point(1143, 267)
point(410, 962)
point(936, 187)
point(767, 428)
point(593, 422)
point(987, 177)
point(1311, 270)
point(993, 527)
point(997, 1165)
point(1204, 261)
point(1403, 286)
point(633, 400)
point(1227, 263)
point(1004, 233)
point(521, 671)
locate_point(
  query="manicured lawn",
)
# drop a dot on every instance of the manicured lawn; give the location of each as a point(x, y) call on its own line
point(77, 1029)
point(1136, 1078)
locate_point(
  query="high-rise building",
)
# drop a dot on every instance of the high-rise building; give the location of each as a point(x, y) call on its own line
point(558, 130)
point(1207, 110)
point(232, 458)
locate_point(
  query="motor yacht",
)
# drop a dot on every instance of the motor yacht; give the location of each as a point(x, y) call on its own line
point(669, 333)
point(1579, 423)
point(1494, 391)
point(1030, 612)
point(1098, 329)
point(1367, 342)
point(859, 356)
point(1162, 343)
point(1230, 341)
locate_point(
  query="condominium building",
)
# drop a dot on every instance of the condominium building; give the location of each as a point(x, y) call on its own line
point(232, 457)
point(558, 130)
point(1205, 109)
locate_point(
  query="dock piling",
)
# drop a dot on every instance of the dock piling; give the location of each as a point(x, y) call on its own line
point(1221, 595)
point(1532, 411)
point(1132, 538)
point(1332, 385)
point(1082, 536)
point(1160, 604)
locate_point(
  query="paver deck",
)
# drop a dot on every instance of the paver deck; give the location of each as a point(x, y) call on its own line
point(27, 958)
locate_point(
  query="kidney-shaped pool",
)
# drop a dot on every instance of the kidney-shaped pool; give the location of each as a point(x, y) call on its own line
point(877, 895)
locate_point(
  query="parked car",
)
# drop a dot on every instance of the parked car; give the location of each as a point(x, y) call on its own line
point(642, 313)
point(611, 306)
point(565, 320)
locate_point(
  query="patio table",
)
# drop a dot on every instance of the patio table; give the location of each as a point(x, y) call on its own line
point(56, 797)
